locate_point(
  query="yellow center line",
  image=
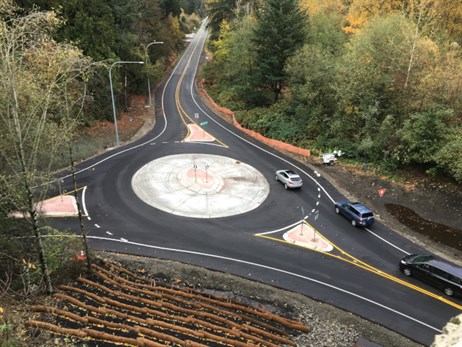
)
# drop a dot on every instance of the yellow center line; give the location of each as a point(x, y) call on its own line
point(183, 114)
point(72, 191)
point(348, 258)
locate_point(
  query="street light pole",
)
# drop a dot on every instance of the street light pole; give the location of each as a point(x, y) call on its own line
point(149, 83)
point(112, 94)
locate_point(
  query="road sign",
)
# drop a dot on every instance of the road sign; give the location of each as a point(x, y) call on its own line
point(204, 123)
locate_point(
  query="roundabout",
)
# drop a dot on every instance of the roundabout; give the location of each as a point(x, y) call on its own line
point(200, 185)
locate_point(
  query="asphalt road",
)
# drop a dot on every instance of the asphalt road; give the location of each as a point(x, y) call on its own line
point(360, 275)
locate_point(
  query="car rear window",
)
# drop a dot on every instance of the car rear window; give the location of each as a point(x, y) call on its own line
point(295, 178)
point(368, 214)
point(422, 258)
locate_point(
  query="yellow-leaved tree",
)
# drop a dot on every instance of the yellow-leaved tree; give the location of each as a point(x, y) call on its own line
point(313, 7)
point(42, 92)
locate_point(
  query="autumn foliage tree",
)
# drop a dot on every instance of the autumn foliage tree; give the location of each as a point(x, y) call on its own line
point(380, 80)
point(42, 92)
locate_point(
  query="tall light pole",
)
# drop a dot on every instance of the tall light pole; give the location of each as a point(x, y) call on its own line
point(112, 94)
point(149, 83)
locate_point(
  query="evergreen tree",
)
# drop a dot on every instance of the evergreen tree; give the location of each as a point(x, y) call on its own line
point(280, 32)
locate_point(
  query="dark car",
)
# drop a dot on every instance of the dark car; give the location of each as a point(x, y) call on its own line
point(357, 213)
point(438, 273)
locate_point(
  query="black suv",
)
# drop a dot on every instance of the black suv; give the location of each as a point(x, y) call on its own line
point(437, 273)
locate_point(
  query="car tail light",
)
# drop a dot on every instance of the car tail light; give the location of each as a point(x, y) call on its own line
point(360, 219)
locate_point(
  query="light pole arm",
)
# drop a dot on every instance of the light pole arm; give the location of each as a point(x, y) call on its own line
point(154, 43)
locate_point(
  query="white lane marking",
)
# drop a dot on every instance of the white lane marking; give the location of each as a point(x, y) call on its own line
point(84, 206)
point(109, 233)
point(276, 270)
point(388, 242)
point(204, 143)
point(283, 228)
point(96, 225)
point(124, 240)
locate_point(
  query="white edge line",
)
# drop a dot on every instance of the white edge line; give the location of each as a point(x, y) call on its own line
point(282, 159)
point(273, 269)
point(151, 139)
point(254, 145)
point(388, 242)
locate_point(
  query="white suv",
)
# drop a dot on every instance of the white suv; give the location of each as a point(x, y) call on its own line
point(289, 178)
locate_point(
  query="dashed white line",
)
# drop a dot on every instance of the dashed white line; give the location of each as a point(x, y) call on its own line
point(96, 225)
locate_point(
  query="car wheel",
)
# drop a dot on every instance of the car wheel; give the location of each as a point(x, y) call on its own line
point(277, 178)
point(337, 210)
point(353, 222)
point(448, 291)
point(285, 186)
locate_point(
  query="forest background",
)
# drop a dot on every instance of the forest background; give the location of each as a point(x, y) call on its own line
point(379, 80)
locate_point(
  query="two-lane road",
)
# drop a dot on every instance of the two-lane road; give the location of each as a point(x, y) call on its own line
point(360, 275)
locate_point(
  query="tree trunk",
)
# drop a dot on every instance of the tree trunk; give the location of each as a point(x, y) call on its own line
point(82, 229)
point(31, 206)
